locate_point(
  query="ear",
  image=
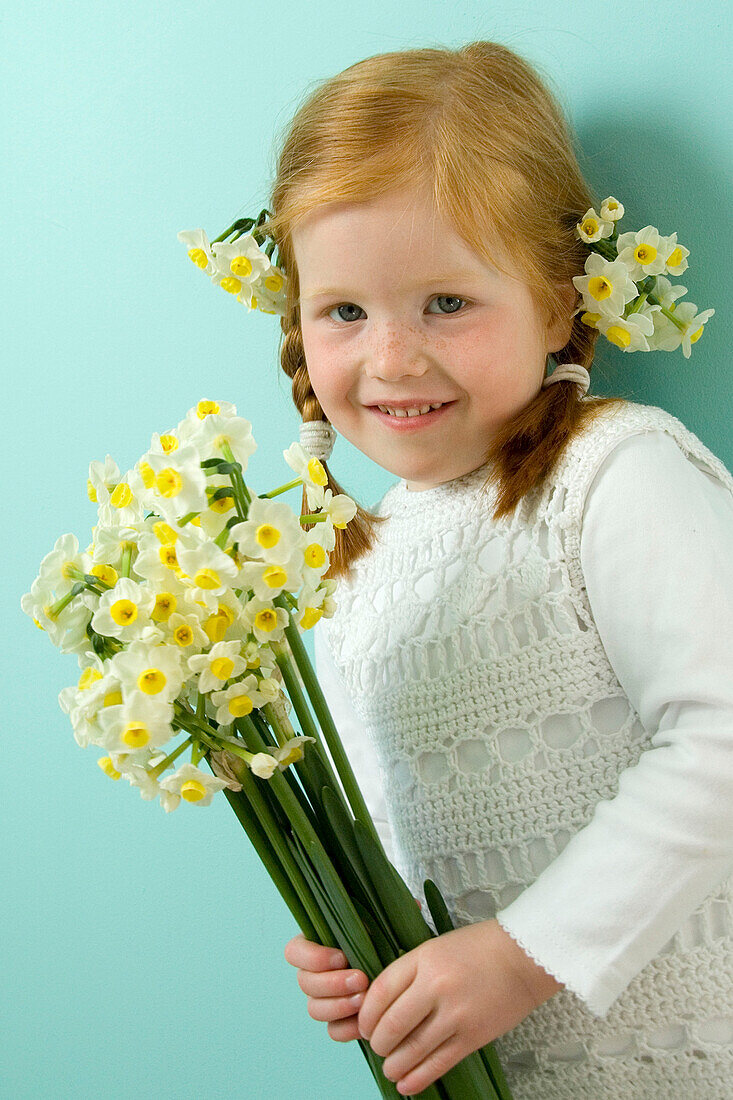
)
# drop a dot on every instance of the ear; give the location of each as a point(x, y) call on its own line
point(560, 327)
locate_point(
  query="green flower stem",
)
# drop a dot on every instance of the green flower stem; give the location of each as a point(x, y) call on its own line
point(667, 313)
point(242, 497)
point(283, 488)
point(330, 733)
point(315, 517)
point(160, 768)
point(126, 559)
point(242, 224)
point(359, 940)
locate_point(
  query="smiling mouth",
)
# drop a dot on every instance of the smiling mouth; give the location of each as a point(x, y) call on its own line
point(417, 410)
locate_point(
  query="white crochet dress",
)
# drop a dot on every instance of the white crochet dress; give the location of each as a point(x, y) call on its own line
point(539, 712)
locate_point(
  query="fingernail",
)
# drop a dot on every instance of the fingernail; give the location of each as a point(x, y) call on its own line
point(338, 960)
point(356, 999)
point(353, 981)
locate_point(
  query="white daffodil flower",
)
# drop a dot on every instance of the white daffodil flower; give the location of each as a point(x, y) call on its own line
point(178, 484)
point(607, 287)
point(263, 765)
point(320, 541)
point(677, 259)
point(611, 209)
point(192, 785)
point(313, 603)
point(157, 559)
point(185, 631)
point(124, 506)
point(221, 663)
point(238, 266)
point(237, 700)
point(138, 776)
point(271, 531)
point(215, 431)
point(154, 670)
point(191, 422)
point(268, 578)
point(668, 337)
point(266, 622)
point(138, 722)
point(291, 752)
point(594, 227)
point(103, 476)
point(199, 249)
point(110, 543)
point(269, 294)
point(124, 610)
point(627, 333)
point(310, 469)
point(341, 508)
point(644, 252)
point(207, 570)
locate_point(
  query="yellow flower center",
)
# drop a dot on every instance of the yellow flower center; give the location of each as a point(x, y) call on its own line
point(183, 635)
point(205, 408)
point(164, 532)
point(207, 578)
point(108, 767)
point(273, 283)
point(599, 288)
point(151, 681)
point(275, 576)
point(674, 258)
point(169, 482)
point(215, 627)
point(88, 677)
point(105, 573)
point(193, 791)
point(316, 472)
point(618, 336)
point(123, 612)
point(590, 319)
point(254, 302)
point(165, 605)
point(590, 227)
point(121, 495)
point(267, 535)
point(266, 619)
point(91, 491)
point(311, 615)
point(168, 556)
point(314, 555)
point(222, 667)
point(198, 256)
point(696, 335)
point(147, 473)
point(645, 254)
point(136, 735)
point(239, 705)
point(240, 265)
point(222, 504)
point(113, 699)
point(231, 285)
point(169, 442)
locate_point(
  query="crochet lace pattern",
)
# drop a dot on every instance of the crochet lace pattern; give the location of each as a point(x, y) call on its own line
point(469, 651)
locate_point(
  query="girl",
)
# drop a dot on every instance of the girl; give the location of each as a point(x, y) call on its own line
point(530, 661)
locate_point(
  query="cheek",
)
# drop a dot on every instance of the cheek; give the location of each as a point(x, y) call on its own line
point(323, 370)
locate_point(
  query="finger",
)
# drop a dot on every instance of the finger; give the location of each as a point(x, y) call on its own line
point(334, 1008)
point(400, 1020)
point(416, 1046)
point(332, 983)
point(385, 989)
point(313, 956)
point(438, 1062)
point(343, 1031)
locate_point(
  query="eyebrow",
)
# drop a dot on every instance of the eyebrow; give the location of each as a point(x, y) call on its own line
point(449, 277)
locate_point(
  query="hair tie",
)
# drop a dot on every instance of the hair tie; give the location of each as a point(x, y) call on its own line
point(317, 437)
point(572, 372)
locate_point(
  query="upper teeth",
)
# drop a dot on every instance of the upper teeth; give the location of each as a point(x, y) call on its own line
point(410, 412)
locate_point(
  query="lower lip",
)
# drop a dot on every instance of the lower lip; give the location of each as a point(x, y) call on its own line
point(412, 423)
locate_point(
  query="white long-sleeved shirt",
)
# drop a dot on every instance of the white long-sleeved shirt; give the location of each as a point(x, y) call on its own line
point(632, 886)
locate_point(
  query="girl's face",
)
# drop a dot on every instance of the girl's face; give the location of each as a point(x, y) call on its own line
point(396, 310)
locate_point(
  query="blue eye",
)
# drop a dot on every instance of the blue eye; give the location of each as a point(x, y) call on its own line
point(438, 297)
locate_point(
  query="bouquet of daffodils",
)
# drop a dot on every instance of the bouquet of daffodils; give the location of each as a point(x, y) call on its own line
point(186, 613)
point(625, 294)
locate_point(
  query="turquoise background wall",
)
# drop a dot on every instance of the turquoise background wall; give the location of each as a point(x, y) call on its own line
point(142, 953)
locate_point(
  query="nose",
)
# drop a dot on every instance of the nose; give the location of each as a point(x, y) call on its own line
point(395, 353)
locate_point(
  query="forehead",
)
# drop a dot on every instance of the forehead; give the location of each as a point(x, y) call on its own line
point(402, 227)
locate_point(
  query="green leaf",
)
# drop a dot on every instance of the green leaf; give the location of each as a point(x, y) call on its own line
point(403, 914)
point(437, 907)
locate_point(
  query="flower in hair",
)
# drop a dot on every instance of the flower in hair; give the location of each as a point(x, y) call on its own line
point(625, 294)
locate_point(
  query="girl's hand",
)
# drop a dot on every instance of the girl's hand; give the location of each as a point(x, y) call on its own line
point(335, 993)
point(447, 998)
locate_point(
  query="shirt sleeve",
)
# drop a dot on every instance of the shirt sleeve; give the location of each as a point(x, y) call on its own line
point(356, 743)
point(657, 556)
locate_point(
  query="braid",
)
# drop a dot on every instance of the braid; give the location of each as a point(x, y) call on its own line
point(357, 537)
